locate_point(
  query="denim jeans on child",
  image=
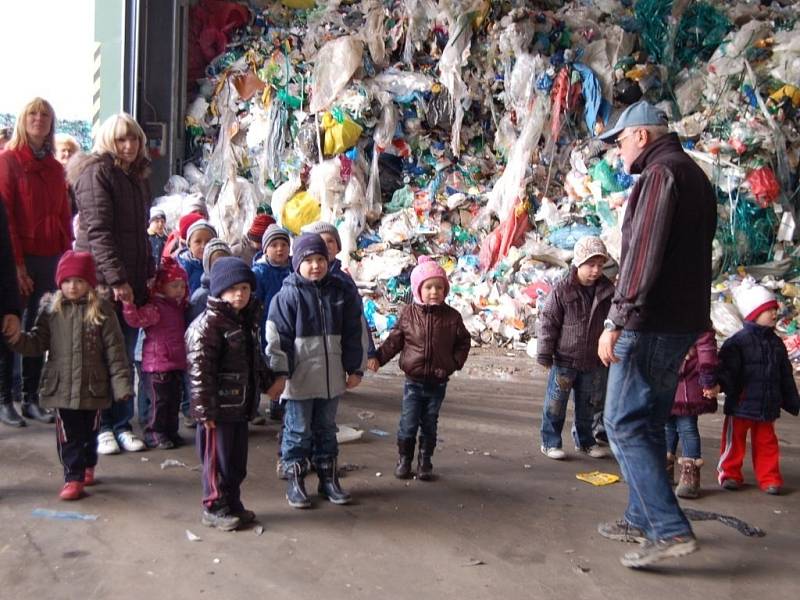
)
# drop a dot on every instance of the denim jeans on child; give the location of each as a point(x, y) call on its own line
point(641, 390)
point(309, 422)
point(118, 417)
point(588, 388)
point(685, 429)
point(420, 410)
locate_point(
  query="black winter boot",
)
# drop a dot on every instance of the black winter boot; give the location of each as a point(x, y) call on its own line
point(8, 414)
point(405, 450)
point(296, 486)
point(424, 466)
point(32, 410)
point(329, 483)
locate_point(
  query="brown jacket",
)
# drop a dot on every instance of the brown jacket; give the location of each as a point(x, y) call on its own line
point(114, 209)
point(569, 327)
point(86, 364)
point(432, 340)
point(226, 370)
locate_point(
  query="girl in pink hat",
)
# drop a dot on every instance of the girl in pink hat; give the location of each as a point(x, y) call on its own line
point(433, 343)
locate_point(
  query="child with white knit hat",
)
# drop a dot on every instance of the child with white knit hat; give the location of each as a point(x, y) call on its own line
point(756, 376)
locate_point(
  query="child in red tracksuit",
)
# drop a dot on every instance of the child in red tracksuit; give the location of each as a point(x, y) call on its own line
point(756, 376)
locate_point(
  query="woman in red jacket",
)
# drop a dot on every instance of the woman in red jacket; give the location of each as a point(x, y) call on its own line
point(34, 192)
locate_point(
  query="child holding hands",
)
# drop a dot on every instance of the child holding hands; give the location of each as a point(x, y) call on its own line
point(86, 365)
point(433, 343)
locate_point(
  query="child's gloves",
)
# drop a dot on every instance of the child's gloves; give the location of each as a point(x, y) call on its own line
point(373, 364)
point(544, 360)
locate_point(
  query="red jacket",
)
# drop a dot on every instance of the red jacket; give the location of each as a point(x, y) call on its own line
point(35, 195)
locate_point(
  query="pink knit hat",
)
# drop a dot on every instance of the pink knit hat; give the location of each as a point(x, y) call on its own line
point(427, 268)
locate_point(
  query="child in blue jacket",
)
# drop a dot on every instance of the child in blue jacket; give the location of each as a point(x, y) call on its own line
point(191, 258)
point(270, 270)
point(314, 348)
point(756, 376)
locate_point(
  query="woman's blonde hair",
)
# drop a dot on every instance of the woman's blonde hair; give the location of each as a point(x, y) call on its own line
point(94, 315)
point(119, 126)
point(19, 138)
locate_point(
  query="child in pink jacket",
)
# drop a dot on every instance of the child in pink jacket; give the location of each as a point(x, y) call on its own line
point(164, 352)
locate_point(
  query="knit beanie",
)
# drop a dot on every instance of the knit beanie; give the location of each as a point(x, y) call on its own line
point(752, 300)
point(588, 247)
point(186, 222)
point(259, 226)
point(194, 204)
point(198, 226)
point(306, 245)
point(168, 271)
point(426, 268)
point(229, 271)
point(214, 245)
point(157, 212)
point(76, 264)
point(323, 227)
point(275, 232)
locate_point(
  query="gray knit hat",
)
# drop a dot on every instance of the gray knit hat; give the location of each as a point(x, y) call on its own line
point(156, 212)
point(275, 232)
point(197, 226)
point(323, 227)
point(214, 245)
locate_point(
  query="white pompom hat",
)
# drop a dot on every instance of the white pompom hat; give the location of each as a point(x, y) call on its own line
point(752, 299)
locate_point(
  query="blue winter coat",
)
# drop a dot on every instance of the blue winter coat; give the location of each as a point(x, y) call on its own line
point(199, 299)
point(193, 267)
point(269, 279)
point(756, 375)
point(314, 336)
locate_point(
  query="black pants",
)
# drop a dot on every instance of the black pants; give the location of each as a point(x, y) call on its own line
point(165, 391)
point(42, 269)
point(223, 452)
point(77, 441)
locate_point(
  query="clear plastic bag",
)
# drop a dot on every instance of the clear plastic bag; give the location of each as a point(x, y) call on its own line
point(235, 209)
point(334, 65)
point(382, 136)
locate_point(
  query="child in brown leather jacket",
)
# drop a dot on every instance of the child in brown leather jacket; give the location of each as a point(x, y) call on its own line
point(433, 343)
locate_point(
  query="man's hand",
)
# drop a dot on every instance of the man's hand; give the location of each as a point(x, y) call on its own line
point(276, 389)
point(605, 347)
point(353, 380)
point(373, 364)
point(11, 327)
point(123, 293)
point(711, 392)
point(24, 281)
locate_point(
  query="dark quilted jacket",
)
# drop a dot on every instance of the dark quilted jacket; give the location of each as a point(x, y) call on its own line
point(432, 340)
point(569, 327)
point(226, 370)
point(114, 209)
point(756, 375)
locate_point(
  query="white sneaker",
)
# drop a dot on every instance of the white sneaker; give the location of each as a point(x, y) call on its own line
point(554, 453)
point(596, 451)
point(107, 443)
point(130, 443)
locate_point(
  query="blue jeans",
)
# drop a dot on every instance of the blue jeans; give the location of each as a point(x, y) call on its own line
point(641, 390)
point(118, 417)
point(307, 423)
point(420, 410)
point(684, 428)
point(588, 388)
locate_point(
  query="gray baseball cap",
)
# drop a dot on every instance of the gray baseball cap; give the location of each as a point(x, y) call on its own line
point(641, 114)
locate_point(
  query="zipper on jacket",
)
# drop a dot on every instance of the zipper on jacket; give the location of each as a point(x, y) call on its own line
point(324, 340)
point(428, 342)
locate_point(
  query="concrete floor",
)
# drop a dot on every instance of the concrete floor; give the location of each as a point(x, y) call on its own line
point(501, 521)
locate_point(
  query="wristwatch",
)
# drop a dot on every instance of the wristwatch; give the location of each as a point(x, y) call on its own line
point(609, 325)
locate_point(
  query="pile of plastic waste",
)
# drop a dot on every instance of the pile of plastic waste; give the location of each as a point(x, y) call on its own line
point(466, 130)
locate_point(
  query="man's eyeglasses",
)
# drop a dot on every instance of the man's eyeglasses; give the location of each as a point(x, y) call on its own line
point(618, 141)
